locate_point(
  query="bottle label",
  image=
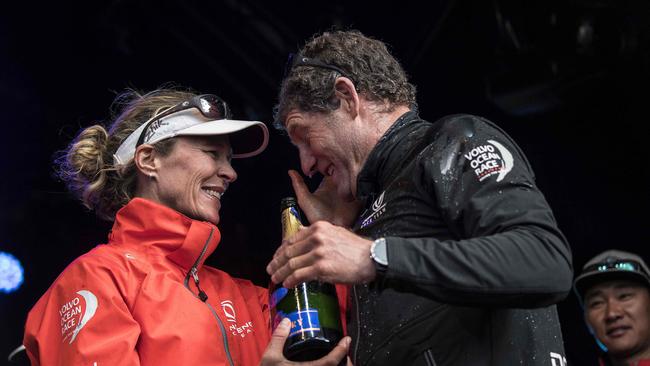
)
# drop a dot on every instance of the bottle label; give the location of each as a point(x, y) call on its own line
point(277, 296)
point(301, 321)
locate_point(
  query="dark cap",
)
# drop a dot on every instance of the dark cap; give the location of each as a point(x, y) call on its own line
point(611, 265)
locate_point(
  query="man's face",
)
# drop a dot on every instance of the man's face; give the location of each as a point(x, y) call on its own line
point(619, 314)
point(328, 143)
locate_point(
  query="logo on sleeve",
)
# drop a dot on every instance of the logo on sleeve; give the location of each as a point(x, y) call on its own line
point(490, 159)
point(557, 359)
point(76, 313)
point(229, 311)
point(378, 209)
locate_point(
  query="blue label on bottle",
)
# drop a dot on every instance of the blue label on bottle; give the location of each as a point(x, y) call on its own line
point(277, 296)
point(304, 321)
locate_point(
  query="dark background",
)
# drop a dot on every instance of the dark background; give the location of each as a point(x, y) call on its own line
point(568, 80)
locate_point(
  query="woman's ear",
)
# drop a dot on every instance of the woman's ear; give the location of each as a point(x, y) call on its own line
point(346, 92)
point(145, 160)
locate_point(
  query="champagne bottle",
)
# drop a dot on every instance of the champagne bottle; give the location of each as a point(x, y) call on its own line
point(312, 307)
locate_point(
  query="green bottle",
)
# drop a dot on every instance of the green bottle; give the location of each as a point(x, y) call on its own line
point(312, 307)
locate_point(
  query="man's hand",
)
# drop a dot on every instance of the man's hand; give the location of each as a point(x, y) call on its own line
point(324, 204)
point(323, 252)
point(273, 353)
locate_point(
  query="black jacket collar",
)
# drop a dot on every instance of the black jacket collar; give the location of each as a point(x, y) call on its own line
point(378, 162)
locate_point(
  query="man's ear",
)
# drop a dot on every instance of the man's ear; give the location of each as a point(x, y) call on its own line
point(145, 160)
point(346, 92)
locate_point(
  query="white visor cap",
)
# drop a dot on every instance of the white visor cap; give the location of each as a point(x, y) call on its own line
point(247, 138)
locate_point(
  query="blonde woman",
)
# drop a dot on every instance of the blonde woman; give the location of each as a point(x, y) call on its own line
point(145, 297)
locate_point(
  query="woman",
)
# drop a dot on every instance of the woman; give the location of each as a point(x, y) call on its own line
point(145, 297)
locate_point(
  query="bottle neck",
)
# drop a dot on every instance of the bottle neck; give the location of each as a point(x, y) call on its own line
point(290, 221)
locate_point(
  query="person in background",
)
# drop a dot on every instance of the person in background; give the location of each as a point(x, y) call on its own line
point(145, 297)
point(614, 291)
point(453, 253)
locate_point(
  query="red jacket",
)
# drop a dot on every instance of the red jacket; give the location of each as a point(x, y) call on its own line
point(134, 301)
point(603, 362)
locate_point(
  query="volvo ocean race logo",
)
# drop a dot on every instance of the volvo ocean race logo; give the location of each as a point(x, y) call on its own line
point(76, 313)
point(378, 209)
point(490, 159)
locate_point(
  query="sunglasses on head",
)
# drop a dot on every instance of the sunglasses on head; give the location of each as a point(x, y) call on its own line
point(296, 60)
point(210, 106)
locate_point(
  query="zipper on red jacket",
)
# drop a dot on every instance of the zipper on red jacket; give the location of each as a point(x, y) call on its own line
point(204, 297)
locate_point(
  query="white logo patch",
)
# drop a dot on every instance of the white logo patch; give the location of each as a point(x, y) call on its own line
point(378, 209)
point(229, 311)
point(76, 313)
point(557, 359)
point(488, 160)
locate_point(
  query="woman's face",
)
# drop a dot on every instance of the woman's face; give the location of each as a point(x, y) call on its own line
point(194, 176)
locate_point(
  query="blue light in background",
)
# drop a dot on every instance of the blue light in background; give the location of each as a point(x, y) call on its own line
point(11, 273)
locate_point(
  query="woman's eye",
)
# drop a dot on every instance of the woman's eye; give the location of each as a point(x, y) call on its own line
point(212, 153)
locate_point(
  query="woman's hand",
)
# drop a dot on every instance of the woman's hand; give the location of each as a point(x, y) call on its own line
point(273, 353)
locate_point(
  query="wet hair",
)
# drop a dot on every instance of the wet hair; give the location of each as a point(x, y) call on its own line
point(86, 165)
point(376, 74)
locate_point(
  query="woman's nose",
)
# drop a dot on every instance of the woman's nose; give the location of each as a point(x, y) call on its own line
point(227, 173)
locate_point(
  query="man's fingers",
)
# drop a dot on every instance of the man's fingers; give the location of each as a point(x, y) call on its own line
point(287, 251)
point(295, 266)
point(301, 275)
point(279, 259)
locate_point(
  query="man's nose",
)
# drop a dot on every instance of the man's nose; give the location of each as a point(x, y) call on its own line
point(613, 310)
point(307, 163)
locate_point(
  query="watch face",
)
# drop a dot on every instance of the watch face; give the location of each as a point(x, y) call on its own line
point(378, 251)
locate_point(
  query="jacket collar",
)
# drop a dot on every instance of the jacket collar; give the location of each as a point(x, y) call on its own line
point(152, 226)
point(378, 159)
point(604, 360)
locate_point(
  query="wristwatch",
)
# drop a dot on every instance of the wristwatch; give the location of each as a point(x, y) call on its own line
point(379, 255)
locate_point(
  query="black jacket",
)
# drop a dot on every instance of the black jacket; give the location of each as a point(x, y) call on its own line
point(475, 258)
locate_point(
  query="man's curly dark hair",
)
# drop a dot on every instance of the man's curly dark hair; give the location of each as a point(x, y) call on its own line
point(376, 74)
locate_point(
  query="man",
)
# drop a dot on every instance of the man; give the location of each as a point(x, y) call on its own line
point(613, 289)
point(455, 258)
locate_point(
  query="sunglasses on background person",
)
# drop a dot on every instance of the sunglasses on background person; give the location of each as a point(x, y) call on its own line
point(626, 265)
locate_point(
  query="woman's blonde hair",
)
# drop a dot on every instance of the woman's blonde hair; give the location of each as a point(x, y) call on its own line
point(86, 165)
